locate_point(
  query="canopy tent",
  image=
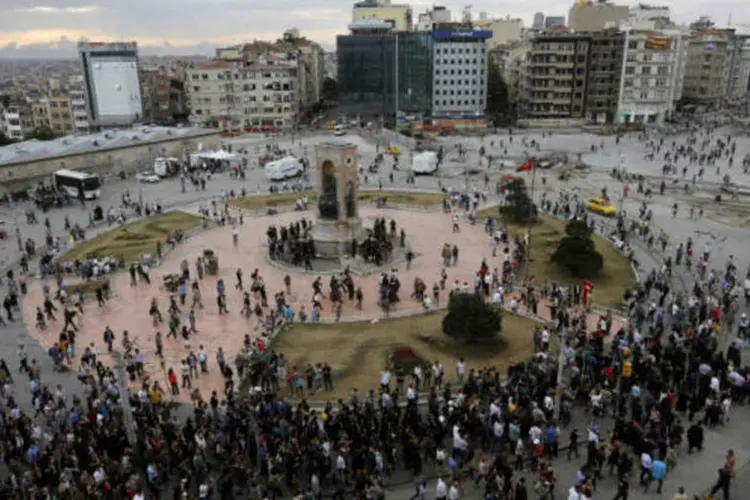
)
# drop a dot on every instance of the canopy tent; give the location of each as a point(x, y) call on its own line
point(216, 155)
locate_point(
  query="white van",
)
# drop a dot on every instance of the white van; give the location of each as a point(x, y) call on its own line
point(425, 163)
point(284, 168)
point(339, 130)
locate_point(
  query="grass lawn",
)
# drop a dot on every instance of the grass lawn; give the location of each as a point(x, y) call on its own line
point(616, 276)
point(262, 203)
point(131, 241)
point(357, 352)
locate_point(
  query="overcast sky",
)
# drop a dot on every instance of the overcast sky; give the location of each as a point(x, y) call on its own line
point(28, 25)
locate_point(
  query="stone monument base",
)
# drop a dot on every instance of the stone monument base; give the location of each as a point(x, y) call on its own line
point(333, 238)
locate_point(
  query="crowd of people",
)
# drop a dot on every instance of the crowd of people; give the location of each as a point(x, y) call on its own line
point(647, 389)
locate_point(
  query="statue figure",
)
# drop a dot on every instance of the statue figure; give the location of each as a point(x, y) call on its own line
point(327, 202)
point(351, 205)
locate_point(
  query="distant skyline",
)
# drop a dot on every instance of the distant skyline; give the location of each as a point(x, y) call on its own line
point(51, 28)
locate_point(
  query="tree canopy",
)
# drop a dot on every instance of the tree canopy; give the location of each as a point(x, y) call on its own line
point(577, 252)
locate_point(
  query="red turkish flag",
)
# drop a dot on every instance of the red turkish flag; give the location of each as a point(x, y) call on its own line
point(587, 287)
point(526, 166)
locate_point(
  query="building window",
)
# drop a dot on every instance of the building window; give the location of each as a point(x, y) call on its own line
point(632, 45)
point(629, 70)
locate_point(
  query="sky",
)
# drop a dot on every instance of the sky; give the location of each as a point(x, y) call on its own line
point(42, 28)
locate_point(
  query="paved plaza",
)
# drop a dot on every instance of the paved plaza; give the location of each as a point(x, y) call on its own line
point(723, 226)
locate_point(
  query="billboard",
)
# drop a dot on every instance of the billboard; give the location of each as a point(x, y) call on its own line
point(462, 34)
point(117, 89)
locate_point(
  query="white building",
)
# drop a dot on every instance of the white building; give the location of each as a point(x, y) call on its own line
point(653, 73)
point(438, 14)
point(460, 72)
point(739, 74)
point(113, 89)
point(78, 111)
point(11, 122)
point(505, 31)
point(647, 17)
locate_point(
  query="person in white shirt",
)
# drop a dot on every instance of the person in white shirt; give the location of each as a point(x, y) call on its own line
point(453, 492)
point(441, 489)
point(460, 370)
point(535, 433)
point(545, 339)
point(646, 465)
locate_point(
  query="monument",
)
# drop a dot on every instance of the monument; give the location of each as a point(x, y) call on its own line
point(338, 223)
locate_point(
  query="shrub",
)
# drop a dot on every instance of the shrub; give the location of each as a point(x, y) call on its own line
point(577, 253)
point(471, 319)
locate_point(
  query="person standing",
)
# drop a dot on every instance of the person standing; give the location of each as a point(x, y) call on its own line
point(658, 473)
point(722, 483)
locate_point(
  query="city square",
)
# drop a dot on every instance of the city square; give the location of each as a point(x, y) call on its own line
point(374, 250)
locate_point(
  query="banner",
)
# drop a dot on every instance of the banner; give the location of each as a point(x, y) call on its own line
point(657, 42)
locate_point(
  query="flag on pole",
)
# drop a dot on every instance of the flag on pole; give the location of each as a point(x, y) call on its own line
point(526, 166)
point(587, 287)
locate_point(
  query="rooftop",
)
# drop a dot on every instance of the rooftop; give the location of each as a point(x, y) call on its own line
point(35, 150)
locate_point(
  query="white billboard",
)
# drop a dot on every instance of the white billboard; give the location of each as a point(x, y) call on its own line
point(117, 90)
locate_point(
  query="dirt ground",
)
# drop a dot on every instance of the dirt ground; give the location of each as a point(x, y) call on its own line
point(358, 352)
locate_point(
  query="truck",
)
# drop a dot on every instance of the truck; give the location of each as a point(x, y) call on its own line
point(283, 169)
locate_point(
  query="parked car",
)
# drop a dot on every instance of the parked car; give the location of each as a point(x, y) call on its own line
point(602, 206)
point(147, 177)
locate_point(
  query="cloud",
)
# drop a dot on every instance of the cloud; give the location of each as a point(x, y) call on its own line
point(43, 9)
point(183, 23)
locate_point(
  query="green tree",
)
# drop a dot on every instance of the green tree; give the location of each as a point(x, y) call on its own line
point(577, 252)
point(498, 102)
point(471, 319)
point(41, 134)
point(518, 207)
point(5, 140)
point(329, 89)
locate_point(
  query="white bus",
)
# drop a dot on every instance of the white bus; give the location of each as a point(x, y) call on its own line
point(73, 182)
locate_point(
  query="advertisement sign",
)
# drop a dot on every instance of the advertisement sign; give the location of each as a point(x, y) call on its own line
point(462, 34)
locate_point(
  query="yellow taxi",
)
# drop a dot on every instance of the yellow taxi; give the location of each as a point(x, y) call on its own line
point(331, 125)
point(393, 150)
point(602, 206)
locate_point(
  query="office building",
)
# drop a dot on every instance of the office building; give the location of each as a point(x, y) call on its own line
point(709, 63)
point(110, 74)
point(398, 16)
point(604, 73)
point(414, 72)
point(163, 95)
point(556, 76)
point(366, 64)
point(538, 21)
point(460, 72)
point(595, 16)
point(653, 74)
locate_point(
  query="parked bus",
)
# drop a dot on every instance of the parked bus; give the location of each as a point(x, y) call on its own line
point(73, 182)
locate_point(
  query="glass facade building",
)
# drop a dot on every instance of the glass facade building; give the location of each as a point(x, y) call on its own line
point(414, 72)
point(366, 73)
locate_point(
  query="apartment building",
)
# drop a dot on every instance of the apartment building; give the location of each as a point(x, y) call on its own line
point(504, 31)
point(40, 113)
point(556, 76)
point(652, 77)
point(739, 75)
point(60, 117)
point(595, 16)
point(78, 111)
point(262, 95)
point(437, 14)
point(16, 119)
point(709, 64)
point(604, 72)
